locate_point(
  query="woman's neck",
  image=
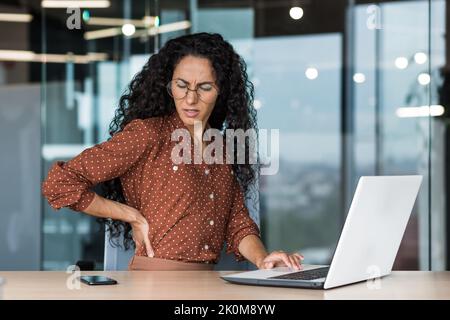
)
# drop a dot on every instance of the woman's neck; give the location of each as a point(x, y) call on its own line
point(198, 130)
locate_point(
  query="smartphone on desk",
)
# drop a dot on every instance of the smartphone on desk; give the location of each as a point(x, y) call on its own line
point(97, 280)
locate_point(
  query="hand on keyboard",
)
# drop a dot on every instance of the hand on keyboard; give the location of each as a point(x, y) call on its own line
point(281, 259)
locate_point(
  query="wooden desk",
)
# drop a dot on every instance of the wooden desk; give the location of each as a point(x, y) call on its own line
point(206, 285)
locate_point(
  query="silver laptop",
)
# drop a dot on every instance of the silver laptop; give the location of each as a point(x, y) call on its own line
point(368, 244)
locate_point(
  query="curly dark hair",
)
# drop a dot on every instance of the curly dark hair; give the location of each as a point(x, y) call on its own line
point(146, 96)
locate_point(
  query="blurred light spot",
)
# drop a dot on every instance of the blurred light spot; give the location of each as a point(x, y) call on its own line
point(420, 58)
point(256, 81)
point(128, 29)
point(422, 111)
point(401, 62)
point(359, 77)
point(86, 15)
point(296, 13)
point(423, 78)
point(311, 73)
point(257, 104)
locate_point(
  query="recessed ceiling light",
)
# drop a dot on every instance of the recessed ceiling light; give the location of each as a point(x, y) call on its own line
point(296, 13)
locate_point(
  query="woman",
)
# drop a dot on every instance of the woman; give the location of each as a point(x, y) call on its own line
point(177, 215)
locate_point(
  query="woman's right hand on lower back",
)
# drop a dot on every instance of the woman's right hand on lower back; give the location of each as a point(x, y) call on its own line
point(140, 234)
point(105, 208)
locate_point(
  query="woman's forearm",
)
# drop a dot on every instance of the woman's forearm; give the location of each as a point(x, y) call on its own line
point(252, 249)
point(105, 208)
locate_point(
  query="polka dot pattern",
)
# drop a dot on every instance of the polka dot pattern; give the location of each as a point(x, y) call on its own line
point(192, 209)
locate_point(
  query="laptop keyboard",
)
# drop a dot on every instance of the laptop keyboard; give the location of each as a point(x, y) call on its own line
point(305, 275)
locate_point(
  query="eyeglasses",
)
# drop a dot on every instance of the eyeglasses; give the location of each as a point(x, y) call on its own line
point(178, 89)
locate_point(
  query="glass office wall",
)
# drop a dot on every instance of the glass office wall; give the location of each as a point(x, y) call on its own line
point(20, 199)
point(397, 54)
point(390, 79)
point(348, 84)
point(80, 97)
point(438, 136)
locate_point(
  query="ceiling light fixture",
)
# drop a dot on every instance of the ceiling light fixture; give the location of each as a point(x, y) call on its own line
point(75, 4)
point(16, 17)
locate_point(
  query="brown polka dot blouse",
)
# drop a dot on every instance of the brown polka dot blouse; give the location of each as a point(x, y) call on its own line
point(191, 208)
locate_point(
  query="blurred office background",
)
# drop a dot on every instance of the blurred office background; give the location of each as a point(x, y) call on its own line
point(355, 88)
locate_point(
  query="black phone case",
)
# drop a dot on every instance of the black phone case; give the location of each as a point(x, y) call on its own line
point(98, 283)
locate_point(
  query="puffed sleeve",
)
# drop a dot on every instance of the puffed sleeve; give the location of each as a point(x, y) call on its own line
point(240, 223)
point(68, 183)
